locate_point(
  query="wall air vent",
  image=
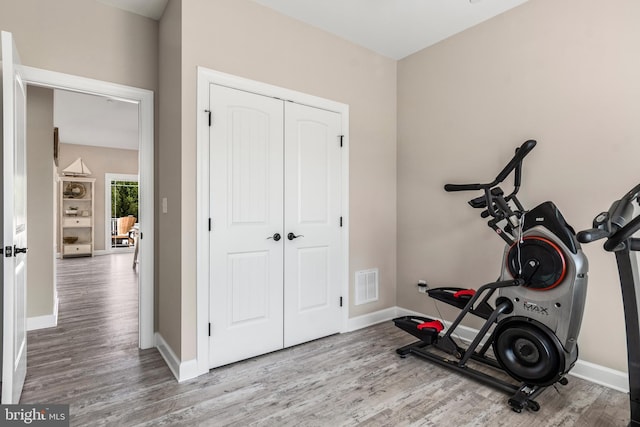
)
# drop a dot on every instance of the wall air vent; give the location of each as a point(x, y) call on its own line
point(366, 286)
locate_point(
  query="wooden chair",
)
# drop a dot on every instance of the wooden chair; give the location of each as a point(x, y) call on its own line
point(125, 224)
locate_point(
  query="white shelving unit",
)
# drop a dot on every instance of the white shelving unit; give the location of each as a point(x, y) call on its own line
point(76, 212)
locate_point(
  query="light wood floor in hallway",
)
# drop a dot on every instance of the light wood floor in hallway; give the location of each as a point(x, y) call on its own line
point(91, 361)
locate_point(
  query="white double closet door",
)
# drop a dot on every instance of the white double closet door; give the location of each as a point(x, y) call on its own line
point(275, 242)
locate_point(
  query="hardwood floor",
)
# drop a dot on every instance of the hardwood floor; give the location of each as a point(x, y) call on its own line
point(91, 362)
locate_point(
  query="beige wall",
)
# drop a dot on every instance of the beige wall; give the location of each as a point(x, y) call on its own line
point(40, 203)
point(562, 72)
point(99, 160)
point(243, 38)
point(168, 267)
point(84, 38)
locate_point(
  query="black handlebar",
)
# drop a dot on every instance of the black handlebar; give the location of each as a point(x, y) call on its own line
point(615, 225)
point(625, 228)
point(517, 159)
point(632, 194)
point(622, 234)
point(514, 163)
point(462, 187)
point(588, 236)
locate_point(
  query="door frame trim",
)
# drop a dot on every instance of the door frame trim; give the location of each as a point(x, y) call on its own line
point(205, 78)
point(144, 99)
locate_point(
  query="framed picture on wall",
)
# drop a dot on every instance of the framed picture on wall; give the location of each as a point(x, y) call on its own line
point(56, 142)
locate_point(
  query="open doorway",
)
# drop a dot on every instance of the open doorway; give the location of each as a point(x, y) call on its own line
point(142, 102)
point(84, 265)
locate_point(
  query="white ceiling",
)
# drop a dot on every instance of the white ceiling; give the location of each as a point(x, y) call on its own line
point(393, 28)
point(95, 120)
point(150, 8)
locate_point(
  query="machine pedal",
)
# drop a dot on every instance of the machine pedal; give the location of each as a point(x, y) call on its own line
point(423, 328)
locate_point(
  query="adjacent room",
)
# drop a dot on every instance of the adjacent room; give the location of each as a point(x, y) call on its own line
point(274, 212)
point(98, 139)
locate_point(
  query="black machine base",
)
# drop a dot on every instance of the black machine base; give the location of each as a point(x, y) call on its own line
point(456, 358)
point(522, 396)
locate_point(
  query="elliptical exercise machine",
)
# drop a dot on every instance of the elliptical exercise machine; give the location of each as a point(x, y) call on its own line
point(617, 225)
point(533, 325)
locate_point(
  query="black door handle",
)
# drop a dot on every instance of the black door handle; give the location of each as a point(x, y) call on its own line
point(275, 237)
point(292, 236)
point(17, 250)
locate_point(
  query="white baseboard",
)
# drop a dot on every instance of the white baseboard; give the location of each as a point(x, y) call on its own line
point(592, 372)
point(102, 252)
point(371, 319)
point(46, 321)
point(182, 371)
point(112, 251)
point(98, 253)
point(602, 375)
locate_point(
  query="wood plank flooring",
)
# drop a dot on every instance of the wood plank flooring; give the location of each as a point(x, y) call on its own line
point(91, 362)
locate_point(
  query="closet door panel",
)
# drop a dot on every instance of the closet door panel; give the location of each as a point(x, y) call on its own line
point(312, 214)
point(312, 174)
point(246, 206)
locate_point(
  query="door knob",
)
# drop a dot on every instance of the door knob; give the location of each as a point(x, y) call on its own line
point(17, 250)
point(292, 236)
point(275, 237)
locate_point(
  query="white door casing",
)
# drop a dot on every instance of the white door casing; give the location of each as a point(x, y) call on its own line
point(246, 213)
point(144, 99)
point(206, 122)
point(312, 211)
point(14, 339)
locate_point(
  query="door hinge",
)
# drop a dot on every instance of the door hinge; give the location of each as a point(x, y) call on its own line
point(8, 251)
point(209, 329)
point(209, 111)
point(141, 235)
point(340, 301)
point(340, 221)
point(209, 224)
point(341, 140)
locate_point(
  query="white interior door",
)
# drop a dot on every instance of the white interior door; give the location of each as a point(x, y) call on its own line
point(246, 207)
point(14, 338)
point(312, 261)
